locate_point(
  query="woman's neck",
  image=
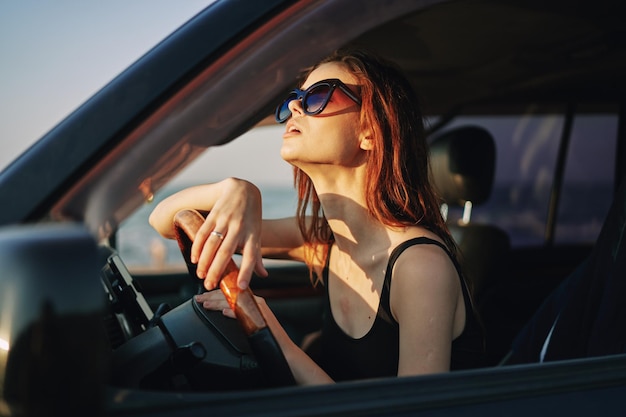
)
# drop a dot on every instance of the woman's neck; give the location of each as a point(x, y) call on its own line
point(343, 200)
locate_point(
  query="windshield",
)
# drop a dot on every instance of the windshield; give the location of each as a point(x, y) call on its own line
point(255, 156)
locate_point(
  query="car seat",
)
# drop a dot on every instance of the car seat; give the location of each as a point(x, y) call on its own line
point(586, 315)
point(463, 164)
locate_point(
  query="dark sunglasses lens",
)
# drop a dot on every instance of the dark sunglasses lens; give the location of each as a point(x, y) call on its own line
point(316, 99)
point(282, 111)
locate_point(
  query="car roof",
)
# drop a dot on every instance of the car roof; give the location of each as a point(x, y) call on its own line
point(219, 75)
point(462, 52)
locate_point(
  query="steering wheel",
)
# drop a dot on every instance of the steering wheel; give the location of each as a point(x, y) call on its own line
point(268, 354)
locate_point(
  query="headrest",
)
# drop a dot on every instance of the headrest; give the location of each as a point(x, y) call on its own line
point(463, 162)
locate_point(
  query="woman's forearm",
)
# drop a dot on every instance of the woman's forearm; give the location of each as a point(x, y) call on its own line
point(304, 369)
point(200, 197)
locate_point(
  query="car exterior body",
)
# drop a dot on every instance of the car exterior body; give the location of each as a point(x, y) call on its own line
point(544, 77)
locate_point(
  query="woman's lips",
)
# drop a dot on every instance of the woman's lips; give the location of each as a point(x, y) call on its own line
point(291, 129)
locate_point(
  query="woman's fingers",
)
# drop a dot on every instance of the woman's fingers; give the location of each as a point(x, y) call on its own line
point(233, 225)
point(210, 242)
point(215, 257)
point(215, 300)
point(251, 261)
point(218, 265)
point(202, 239)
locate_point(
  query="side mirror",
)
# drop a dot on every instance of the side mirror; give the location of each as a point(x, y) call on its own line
point(53, 348)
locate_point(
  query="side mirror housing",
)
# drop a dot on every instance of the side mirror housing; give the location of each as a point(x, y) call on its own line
point(53, 348)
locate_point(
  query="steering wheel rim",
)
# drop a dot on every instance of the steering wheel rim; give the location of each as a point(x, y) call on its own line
point(266, 350)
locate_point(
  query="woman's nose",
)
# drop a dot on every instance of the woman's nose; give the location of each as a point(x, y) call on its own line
point(295, 106)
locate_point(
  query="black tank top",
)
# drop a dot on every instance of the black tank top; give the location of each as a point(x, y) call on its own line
point(376, 354)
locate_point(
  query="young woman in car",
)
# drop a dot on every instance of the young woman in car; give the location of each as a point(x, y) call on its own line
point(368, 225)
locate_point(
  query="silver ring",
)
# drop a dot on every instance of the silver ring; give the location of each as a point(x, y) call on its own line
point(218, 234)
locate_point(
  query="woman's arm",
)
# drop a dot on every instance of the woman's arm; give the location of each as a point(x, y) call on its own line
point(234, 208)
point(427, 302)
point(303, 368)
point(199, 197)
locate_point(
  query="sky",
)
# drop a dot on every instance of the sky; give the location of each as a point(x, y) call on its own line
point(57, 54)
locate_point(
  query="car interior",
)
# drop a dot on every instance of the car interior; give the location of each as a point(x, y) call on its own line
point(585, 315)
point(510, 280)
point(526, 134)
point(463, 162)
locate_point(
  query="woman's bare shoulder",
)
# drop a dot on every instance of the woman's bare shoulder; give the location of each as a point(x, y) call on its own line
point(424, 271)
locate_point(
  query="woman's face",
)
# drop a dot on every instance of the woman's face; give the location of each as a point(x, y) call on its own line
point(331, 137)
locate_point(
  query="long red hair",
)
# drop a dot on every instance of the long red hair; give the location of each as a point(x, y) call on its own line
point(398, 184)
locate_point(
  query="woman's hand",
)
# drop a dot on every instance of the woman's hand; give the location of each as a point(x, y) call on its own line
point(304, 369)
point(233, 225)
point(216, 301)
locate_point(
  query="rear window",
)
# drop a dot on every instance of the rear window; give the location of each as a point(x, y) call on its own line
point(527, 149)
point(588, 181)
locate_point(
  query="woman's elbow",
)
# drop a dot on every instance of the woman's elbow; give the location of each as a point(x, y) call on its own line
point(159, 222)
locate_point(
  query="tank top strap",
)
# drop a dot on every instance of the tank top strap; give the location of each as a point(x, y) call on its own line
point(397, 251)
point(384, 308)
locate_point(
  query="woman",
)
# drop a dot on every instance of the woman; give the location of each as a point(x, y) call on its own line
point(397, 304)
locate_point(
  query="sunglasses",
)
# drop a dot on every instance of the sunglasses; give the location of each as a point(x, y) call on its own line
point(314, 99)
